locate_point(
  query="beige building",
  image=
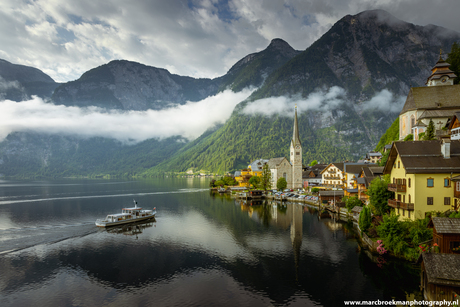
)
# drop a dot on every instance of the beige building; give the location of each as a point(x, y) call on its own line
point(438, 101)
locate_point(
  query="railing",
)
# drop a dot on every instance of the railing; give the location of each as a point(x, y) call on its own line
point(394, 203)
point(332, 177)
point(396, 187)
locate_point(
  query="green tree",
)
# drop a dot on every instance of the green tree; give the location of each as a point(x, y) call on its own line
point(254, 181)
point(314, 190)
point(365, 218)
point(266, 180)
point(314, 162)
point(454, 60)
point(379, 194)
point(281, 184)
point(351, 202)
point(228, 180)
point(219, 183)
point(409, 137)
point(430, 133)
point(384, 159)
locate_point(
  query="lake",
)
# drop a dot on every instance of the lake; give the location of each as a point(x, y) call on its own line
point(201, 249)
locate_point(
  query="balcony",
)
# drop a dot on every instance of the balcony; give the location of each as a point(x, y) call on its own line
point(394, 203)
point(456, 194)
point(331, 177)
point(396, 187)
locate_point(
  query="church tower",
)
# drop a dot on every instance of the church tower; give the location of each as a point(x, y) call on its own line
point(296, 156)
point(441, 74)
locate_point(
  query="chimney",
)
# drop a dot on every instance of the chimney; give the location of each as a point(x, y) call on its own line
point(445, 147)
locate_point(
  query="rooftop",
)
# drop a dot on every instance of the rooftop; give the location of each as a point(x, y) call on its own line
point(442, 269)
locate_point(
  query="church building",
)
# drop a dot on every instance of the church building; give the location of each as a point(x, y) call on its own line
point(291, 170)
point(438, 101)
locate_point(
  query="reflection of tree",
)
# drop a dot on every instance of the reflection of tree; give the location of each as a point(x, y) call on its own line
point(264, 212)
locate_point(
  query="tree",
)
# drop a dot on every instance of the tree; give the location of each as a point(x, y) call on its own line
point(212, 183)
point(266, 180)
point(379, 194)
point(219, 183)
point(314, 162)
point(281, 184)
point(351, 202)
point(365, 219)
point(454, 60)
point(430, 133)
point(384, 158)
point(254, 181)
point(314, 190)
point(409, 137)
point(228, 180)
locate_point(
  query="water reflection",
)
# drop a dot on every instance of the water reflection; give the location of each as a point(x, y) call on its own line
point(201, 249)
point(132, 229)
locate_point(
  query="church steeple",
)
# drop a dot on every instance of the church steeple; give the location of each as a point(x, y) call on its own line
point(441, 74)
point(296, 156)
point(295, 135)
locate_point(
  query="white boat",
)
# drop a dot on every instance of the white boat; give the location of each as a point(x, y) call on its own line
point(127, 215)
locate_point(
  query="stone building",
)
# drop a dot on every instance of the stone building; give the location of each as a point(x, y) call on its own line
point(291, 170)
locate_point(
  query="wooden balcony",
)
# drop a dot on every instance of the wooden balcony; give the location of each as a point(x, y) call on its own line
point(395, 187)
point(332, 177)
point(456, 194)
point(394, 203)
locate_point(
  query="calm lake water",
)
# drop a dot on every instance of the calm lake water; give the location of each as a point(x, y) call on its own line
point(201, 250)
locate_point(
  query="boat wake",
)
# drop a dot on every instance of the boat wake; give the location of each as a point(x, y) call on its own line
point(15, 239)
point(13, 201)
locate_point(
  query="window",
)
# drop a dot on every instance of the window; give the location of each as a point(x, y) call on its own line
point(297, 153)
point(404, 212)
point(429, 200)
point(447, 201)
point(454, 244)
point(408, 213)
point(409, 198)
point(430, 182)
point(447, 182)
point(399, 164)
point(409, 182)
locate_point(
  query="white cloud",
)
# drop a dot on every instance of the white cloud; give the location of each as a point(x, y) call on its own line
point(385, 101)
point(320, 100)
point(189, 120)
point(323, 101)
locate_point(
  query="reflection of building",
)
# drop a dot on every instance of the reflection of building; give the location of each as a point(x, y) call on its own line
point(296, 233)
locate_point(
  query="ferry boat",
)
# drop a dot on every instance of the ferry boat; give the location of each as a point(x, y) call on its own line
point(127, 215)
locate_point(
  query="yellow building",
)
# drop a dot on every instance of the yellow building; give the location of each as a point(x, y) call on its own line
point(254, 169)
point(421, 173)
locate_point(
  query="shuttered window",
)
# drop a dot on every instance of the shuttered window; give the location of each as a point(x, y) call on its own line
point(447, 201)
point(429, 200)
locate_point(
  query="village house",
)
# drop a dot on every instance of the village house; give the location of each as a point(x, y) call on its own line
point(351, 173)
point(446, 234)
point(311, 175)
point(373, 157)
point(421, 174)
point(254, 169)
point(332, 176)
point(440, 278)
point(367, 174)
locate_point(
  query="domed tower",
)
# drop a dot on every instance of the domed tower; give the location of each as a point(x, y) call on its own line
point(441, 74)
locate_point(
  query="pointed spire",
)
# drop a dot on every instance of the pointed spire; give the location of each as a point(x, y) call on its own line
point(295, 135)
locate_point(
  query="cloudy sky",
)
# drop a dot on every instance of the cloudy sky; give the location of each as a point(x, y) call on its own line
point(200, 38)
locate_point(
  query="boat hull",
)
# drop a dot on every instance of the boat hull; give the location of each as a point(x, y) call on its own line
point(101, 223)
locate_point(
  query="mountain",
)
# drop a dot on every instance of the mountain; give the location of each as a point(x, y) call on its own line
point(363, 54)
point(133, 86)
point(128, 86)
point(19, 82)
